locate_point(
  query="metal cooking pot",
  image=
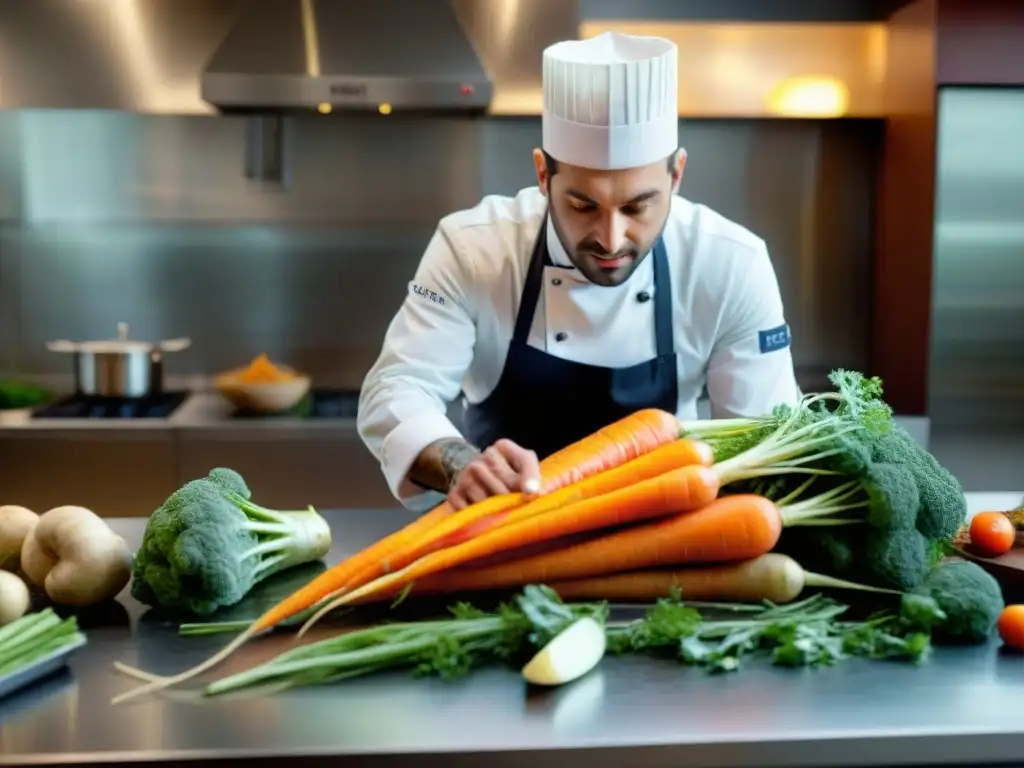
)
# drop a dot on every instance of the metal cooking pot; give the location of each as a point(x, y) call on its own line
point(118, 367)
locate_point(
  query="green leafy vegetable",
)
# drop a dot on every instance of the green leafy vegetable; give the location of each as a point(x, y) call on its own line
point(208, 545)
point(32, 637)
point(448, 648)
point(808, 633)
point(17, 394)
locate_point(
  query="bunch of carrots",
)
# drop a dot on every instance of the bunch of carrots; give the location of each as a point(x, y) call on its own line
point(649, 504)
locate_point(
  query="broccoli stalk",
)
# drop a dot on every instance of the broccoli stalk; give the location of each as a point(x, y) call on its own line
point(286, 539)
point(208, 545)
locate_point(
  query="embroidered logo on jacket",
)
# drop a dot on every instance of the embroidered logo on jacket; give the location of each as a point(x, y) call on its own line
point(428, 294)
point(774, 339)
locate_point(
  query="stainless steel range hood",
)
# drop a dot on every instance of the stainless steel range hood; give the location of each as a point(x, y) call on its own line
point(401, 55)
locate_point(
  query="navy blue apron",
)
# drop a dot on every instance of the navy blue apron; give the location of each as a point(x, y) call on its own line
point(545, 403)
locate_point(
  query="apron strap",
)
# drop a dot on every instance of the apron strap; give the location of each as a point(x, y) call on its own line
point(664, 335)
point(531, 291)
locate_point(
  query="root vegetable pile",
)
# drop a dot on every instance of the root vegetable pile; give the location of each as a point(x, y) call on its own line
point(829, 493)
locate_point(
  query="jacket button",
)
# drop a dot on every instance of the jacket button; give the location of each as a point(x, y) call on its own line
point(561, 336)
point(643, 296)
point(557, 281)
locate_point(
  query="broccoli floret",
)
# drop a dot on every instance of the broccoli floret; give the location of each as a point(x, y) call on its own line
point(943, 507)
point(893, 498)
point(943, 504)
point(968, 595)
point(207, 546)
point(230, 481)
point(896, 558)
point(854, 458)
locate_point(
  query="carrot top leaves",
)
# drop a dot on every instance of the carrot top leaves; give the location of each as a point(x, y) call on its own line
point(808, 633)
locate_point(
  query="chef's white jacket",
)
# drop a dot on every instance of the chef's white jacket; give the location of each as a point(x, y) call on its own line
point(453, 329)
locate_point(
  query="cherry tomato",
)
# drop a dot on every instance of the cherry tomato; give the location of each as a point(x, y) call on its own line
point(992, 533)
point(1011, 626)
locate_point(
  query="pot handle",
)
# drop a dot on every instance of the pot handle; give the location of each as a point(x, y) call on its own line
point(175, 345)
point(62, 345)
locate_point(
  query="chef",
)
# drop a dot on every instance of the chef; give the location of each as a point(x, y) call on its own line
point(573, 303)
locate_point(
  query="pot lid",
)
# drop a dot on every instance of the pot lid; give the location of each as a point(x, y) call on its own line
point(121, 345)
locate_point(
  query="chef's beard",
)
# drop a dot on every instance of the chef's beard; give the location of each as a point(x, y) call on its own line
point(583, 256)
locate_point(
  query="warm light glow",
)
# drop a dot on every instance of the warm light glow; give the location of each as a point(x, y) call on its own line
point(152, 84)
point(810, 97)
point(323, 108)
point(384, 109)
point(761, 69)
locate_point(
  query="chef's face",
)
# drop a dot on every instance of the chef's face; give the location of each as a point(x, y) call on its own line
point(608, 221)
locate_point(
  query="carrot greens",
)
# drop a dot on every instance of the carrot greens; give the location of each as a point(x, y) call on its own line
point(807, 633)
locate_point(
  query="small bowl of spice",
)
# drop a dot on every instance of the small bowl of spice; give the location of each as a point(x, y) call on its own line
point(263, 386)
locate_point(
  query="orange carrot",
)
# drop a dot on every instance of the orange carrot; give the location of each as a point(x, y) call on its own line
point(479, 518)
point(686, 488)
point(626, 439)
point(639, 433)
point(731, 528)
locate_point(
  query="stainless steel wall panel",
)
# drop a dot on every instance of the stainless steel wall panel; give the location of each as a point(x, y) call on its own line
point(11, 169)
point(977, 358)
point(319, 298)
point(10, 298)
point(99, 167)
point(147, 220)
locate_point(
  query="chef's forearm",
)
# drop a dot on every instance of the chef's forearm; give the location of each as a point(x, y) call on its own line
point(440, 463)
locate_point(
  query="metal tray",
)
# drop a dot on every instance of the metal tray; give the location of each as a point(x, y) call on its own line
point(44, 667)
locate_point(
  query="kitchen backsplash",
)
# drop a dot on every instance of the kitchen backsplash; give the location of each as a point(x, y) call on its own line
point(109, 217)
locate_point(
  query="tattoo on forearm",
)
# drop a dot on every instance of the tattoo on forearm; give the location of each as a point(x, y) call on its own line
point(440, 464)
point(454, 457)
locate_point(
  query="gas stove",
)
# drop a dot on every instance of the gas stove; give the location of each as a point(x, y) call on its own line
point(156, 406)
point(320, 403)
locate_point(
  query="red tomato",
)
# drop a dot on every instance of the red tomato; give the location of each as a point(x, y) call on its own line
point(1011, 626)
point(992, 533)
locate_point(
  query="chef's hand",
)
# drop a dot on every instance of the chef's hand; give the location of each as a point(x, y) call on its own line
point(502, 468)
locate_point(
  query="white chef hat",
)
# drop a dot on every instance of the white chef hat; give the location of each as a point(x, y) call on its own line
point(610, 101)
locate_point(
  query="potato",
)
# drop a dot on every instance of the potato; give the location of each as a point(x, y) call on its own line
point(74, 556)
point(14, 598)
point(15, 523)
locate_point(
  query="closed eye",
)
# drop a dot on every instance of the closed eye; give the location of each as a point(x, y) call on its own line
point(634, 210)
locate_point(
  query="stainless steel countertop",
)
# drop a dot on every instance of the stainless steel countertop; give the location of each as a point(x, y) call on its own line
point(962, 707)
point(202, 410)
